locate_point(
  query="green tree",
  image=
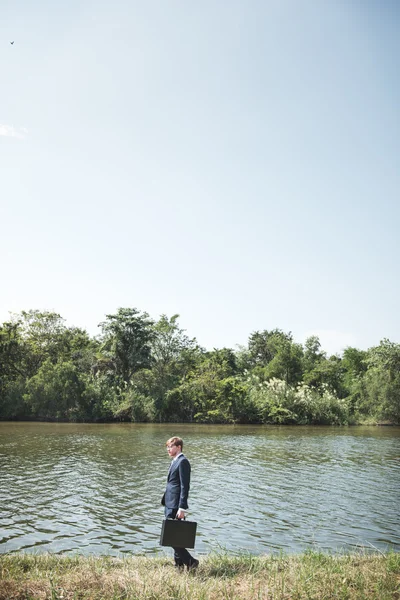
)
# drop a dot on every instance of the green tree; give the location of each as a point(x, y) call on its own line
point(12, 380)
point(42, 333)
point(264, 345)
point(173, 354)
point(212, 392)
point(11, 352)
point(57, 391)
point(354, 362)
point(287, 363)
point(327, 372)
point(313, 354)
point(380, 393)
point(126, 339)
point(354, 369)
point(273, 354)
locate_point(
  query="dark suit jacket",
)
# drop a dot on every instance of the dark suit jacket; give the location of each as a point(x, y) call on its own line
point(178, 484)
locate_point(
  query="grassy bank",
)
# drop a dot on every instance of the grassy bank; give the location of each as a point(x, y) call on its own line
point(310, 576)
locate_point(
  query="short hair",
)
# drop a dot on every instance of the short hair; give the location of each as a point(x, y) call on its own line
point(175, 441)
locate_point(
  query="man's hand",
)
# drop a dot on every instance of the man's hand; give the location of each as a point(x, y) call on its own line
point(180, 514)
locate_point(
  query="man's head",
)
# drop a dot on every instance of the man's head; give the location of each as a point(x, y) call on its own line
point(174, 446)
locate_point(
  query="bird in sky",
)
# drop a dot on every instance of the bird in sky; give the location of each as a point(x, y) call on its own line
point(11, 43)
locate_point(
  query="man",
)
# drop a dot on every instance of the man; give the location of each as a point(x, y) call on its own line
point(175, 498)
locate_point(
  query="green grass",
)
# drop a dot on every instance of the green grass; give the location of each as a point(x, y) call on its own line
point(311, 576)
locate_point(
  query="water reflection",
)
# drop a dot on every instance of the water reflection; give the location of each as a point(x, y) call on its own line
point(97, 488)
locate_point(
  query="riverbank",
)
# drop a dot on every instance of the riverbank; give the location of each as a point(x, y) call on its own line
point(311, 576)
point(365, 421)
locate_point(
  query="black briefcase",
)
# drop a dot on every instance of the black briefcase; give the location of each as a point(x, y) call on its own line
point(178, 533)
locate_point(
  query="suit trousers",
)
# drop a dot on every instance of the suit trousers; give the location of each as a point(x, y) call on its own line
point(181, 555)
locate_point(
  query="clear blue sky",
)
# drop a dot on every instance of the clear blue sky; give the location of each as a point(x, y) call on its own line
point(234, 162)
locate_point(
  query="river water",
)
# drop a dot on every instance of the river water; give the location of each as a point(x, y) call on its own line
point(96, 489)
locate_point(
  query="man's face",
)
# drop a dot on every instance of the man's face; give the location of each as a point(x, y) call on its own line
point(173, 450)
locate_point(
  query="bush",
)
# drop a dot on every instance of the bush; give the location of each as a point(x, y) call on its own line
point(277, 402)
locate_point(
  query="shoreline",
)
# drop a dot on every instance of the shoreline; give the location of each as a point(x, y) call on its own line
point(126, 422)
point(311, 575)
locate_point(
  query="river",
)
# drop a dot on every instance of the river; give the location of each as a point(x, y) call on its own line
point(96, 489)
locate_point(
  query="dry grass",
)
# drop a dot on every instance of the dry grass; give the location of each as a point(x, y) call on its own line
point(311, 576)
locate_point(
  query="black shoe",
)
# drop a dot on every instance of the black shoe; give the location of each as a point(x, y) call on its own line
point(193, 565)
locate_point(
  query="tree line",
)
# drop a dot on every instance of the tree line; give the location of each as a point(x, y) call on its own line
point(143, 370)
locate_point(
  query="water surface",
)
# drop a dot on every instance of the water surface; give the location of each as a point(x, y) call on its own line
point(96, 489)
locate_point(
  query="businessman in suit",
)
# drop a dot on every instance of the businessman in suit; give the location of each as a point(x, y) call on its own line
point(175, 498)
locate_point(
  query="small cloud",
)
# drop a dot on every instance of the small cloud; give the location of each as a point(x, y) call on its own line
point(14, 132)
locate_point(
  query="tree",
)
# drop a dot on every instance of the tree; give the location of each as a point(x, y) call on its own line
point(27, 342)
point(57, 391)
point(287, 363)
point(274, 354)
point(173, 353)
point(380, 394)
point(126, 338)
point(11, 352)
point(354, 369)
point(12, 380)
point(264, 345)
point(313, 354)
point(211, 392)
point(42, 333)
point(327, 372)
point(354, 361)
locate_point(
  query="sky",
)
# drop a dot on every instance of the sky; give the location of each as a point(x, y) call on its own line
point(234, 162)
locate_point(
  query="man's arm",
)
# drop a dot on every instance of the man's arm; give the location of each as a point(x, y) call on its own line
point(184, 477)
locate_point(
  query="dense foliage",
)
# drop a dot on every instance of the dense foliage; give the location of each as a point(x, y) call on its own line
point(139, 369)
